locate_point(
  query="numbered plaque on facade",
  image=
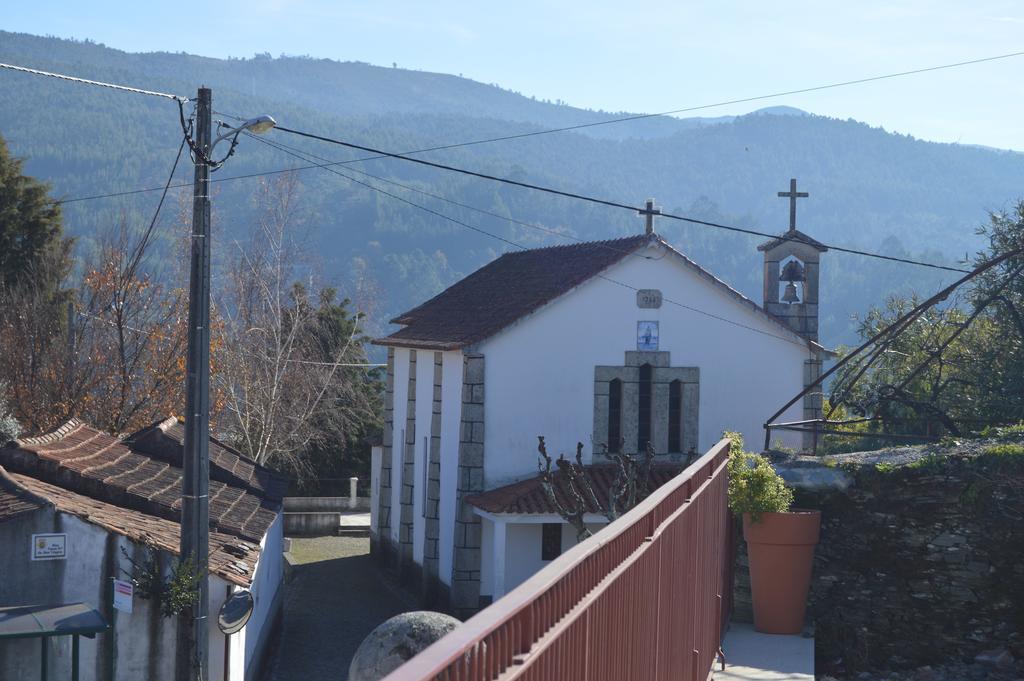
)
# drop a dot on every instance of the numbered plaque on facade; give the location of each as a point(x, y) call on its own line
point(648, 298)
point(647, 335)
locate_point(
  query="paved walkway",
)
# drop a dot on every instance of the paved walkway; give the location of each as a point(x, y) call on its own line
point(751, 656)
point(334, 600)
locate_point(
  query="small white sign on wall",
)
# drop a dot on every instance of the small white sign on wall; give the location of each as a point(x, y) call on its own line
point(123, 593)
point(49, 546)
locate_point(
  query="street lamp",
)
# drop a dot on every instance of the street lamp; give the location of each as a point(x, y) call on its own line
point(258, 125)
point(195, 507)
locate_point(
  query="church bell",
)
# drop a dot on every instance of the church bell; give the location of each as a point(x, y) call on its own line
point(789, 295)
point(792, 272)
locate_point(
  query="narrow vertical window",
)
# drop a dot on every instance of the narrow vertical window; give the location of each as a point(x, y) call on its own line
point(675, 416)
point(615, 415)
point(644, 406)
point(551, 541)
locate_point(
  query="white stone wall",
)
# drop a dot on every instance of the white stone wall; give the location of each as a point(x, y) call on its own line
point(451, 414)
point(540, 371)
point(401, 396)
point(139, 645)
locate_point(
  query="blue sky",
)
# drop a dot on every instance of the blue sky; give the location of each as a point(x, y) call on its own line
point(633, 56)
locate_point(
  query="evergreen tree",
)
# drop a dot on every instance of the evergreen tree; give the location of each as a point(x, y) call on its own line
point(31, 231)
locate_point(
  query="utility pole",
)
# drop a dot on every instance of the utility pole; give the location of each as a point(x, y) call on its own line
point(194, 646)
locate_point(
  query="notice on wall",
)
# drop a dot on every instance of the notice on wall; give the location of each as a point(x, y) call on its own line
point(123, 593)
point(49, 546)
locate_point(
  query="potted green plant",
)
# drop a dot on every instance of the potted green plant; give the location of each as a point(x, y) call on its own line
point(780, 540)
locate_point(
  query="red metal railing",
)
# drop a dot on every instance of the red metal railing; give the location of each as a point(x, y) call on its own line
point(645, 598)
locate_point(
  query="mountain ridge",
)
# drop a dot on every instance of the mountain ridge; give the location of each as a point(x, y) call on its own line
point(870, 189)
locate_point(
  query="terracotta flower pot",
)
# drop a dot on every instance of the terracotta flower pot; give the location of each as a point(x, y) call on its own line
point(781, 551)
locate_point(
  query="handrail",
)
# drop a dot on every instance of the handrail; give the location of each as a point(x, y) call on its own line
point(529, 600)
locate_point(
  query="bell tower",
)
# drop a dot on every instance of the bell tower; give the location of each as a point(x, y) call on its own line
point(791, 269)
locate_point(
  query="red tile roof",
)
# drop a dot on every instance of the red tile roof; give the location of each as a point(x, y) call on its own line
point(165, 440)
point(518, 283)
point(498, 294)
point(92, 463)
point(528, 496)
point(231, 558)
point(15, 499)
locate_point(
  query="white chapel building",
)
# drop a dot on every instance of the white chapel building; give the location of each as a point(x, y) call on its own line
point(611, 343)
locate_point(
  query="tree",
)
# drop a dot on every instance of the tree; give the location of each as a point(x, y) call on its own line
point(31, 230)
point(293, 377)
point(570, 489)
point(955, 368)
point(9, 427)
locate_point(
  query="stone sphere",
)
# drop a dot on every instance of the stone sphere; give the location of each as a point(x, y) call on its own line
point(396, 641)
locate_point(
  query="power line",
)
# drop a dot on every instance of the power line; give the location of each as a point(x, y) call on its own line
point(520, 246)
point(302, 155)
point(743, 100)
point(599, 201)
point(549, 130)
point(144, 241)
point(86, 81)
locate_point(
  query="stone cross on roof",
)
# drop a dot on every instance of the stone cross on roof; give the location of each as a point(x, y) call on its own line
point(649, 211)
point(793, 195)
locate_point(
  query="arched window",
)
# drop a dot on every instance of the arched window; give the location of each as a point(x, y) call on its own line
point(646, 390)
point(675, 416)
point(615, 416)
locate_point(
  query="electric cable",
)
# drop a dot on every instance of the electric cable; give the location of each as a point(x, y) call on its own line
point(520, 246)
point(742, 100)
point(600, 201)
point(86, 81)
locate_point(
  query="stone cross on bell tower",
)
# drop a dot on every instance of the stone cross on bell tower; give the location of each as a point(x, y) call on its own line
point(791, 268)
point(793, 195)
point(792, 263)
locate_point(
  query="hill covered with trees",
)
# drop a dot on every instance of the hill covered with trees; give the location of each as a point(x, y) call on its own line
point(870, 189)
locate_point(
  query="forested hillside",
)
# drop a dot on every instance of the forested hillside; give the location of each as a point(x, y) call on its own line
point(869, 188)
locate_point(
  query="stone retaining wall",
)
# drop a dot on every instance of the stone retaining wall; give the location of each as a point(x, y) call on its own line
point(921, 559)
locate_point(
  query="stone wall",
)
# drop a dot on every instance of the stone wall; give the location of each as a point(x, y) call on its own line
point(380, 542)
point(921, 559)
point(465, 593)
point(432, 512)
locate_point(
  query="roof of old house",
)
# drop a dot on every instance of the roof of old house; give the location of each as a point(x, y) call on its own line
point(166, 440)
point(15, 499)
point(528, 496)
point(86, 461)
point(230, 557)
point(521, 282)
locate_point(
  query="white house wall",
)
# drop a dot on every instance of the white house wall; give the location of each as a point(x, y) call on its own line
point(451, 414)
point(424, 410)
point(401, 395)
point(540, 371)
point(139, 645)
point(266, 591)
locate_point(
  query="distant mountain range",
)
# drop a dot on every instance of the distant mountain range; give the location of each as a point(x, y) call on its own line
point(869, 189)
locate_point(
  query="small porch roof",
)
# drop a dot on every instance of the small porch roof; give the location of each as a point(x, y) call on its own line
point(34, 621)
point(528, 496)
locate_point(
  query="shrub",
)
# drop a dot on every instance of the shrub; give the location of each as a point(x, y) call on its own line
point(754, 485)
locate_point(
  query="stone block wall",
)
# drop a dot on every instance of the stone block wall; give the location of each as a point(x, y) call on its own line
point(921, 560)
point(405, 529)
point(431, 554)
point(465, 591)
point(381, 543)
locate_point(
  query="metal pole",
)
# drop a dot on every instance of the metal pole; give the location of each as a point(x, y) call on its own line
point(195, 527)
point(74, 657)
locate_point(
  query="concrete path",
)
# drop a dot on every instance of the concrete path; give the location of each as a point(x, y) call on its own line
point(335, 598)
point(751, 656)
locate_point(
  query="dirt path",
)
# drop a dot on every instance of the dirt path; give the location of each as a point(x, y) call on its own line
point(334, 600)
